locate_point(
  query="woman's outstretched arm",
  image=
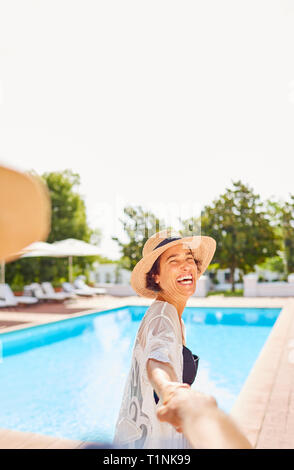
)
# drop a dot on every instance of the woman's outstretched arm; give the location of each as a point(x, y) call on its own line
point(163, 378)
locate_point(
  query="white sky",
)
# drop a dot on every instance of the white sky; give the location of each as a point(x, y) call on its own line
point(158, 103)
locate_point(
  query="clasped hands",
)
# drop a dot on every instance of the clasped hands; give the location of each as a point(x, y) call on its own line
point(198, 417)
point(179, 402)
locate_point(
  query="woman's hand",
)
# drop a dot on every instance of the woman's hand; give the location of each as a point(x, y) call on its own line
point(183, 404)
point(164, 381)
point(167, 394)
point(169, 390)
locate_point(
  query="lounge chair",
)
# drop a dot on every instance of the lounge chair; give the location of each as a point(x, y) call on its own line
point(68, 287)
point(10, 298)
point(37, 292)
point(80, 284)
point(4, 303)
point(3, 300)
point(49, 290)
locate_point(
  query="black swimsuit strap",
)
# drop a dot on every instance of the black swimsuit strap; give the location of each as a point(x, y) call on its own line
point(190, 367)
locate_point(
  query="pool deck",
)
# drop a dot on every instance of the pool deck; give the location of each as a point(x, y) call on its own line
point(264, 409)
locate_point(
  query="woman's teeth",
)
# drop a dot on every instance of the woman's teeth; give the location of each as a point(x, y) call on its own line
point(185, 280)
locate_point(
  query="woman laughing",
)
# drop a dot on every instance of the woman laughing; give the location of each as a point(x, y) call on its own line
point(161, 362)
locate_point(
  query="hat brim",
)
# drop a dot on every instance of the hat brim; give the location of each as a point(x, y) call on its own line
point(202, 247)
point(25, 211)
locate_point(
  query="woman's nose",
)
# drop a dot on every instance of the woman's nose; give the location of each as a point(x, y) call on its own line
point(185, 265)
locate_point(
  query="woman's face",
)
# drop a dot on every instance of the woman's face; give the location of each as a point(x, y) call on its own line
point(178, 272)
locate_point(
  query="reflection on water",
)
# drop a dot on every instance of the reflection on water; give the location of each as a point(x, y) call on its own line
point(224, 316)
point(217, 388)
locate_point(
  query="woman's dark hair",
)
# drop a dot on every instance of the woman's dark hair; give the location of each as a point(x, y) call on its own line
point(150, 282)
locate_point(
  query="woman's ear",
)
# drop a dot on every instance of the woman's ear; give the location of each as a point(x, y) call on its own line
point(156, 278)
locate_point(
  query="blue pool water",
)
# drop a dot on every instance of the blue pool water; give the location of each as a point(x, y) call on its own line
point(66, 378)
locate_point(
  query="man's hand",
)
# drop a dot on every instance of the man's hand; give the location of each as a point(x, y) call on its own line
point(170, 389)
point(198, 417)
point(180, 403)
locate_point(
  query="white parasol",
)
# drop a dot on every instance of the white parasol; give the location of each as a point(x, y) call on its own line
point(62, 249)
point(73, 247)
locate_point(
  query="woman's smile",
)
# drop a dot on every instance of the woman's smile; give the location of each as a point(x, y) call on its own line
point(186, 283)
point(185, 279)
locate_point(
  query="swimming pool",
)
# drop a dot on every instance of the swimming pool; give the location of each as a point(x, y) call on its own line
point(66, 378)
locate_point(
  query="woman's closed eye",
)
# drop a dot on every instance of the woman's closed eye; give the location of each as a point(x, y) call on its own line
point(190, 258)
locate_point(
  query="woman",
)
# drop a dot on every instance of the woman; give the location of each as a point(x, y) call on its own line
point(161, 362)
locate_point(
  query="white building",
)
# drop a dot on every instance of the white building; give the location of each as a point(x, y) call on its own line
point(110, 273)
point(253, 288)
point(222, 276)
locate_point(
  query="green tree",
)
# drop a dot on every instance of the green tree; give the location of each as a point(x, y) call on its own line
point(68, 217)
point(242, 230)
point(138, 225)
point(274, 264)
point(278, 263)
point(283, 214)
point(68, 220)
point(287, 225)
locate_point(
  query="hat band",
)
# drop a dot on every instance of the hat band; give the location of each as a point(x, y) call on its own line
point(165, 241)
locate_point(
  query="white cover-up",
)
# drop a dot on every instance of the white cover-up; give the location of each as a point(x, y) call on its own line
point(159, 337)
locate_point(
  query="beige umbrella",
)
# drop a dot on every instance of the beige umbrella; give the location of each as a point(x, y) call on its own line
point(73, 247)
point(34, 249)
point(62, 249)
point(42, 249)
point(39, 249)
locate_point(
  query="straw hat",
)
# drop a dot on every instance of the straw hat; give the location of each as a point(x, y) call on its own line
point(203, 248)
point(24, 212)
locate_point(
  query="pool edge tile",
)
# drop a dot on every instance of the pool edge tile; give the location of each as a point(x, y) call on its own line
point(12, 439)
point(259, 385)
